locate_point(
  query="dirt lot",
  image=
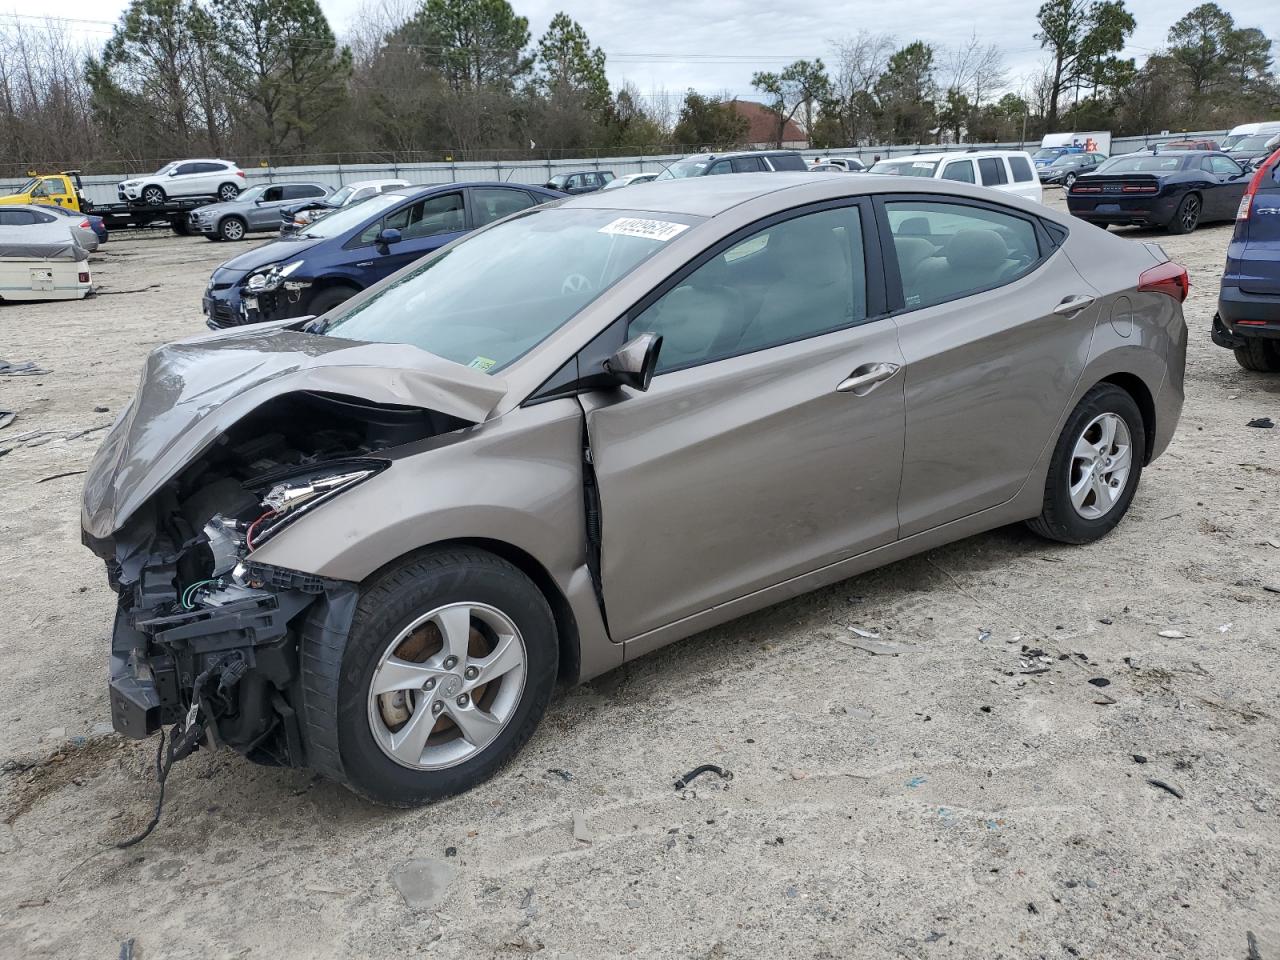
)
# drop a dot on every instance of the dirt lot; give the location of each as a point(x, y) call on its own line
point(947, 801)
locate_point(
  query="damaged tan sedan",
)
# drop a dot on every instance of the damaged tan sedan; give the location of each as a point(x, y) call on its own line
point(371, 543)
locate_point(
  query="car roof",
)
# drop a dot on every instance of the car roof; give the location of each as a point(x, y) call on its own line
point(414, 190)
point(377, 183)
point(958, 155)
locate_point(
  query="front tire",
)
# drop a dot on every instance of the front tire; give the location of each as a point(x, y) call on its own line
point(444, 675)
point(1095, 470)
point(1067, 181)
point(1187, 217)
point(231, 228)
point(328, 298)
point(1260, 356)
point(153, 196)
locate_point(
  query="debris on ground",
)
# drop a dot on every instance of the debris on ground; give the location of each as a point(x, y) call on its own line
point(423, 882)
point(581, 831)
point(1261, 422)
point(59, 476)
point(1270, 588)
point(1166, 787)
point(865, 634)
point(101, 409)
point(1100, 682)
point(126, 949)
point(25, 368)
point(564, 775)
point(878, 648)
point(6, 417)
point(696, 772)
point(1139, 758)
point(983, 634)
point(1252, 943)
point(1172, 634)
point(798, 774)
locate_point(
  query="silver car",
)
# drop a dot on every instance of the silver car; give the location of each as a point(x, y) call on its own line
point(253, 211)
point(371, 543)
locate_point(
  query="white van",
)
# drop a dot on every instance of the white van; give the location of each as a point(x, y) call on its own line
point(1247, 130)
point(1010, 171)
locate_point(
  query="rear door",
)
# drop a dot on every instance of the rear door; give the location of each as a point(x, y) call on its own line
point(487, 204)
point(989, 365)
point(1023, 179)
point(751, 459)
point(1259, 265)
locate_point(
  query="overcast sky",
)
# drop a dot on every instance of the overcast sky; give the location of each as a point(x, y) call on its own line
point(715, 45)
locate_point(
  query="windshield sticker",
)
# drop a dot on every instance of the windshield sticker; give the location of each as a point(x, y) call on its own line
point(922, 165)
point(662, 230)
point(482, 363)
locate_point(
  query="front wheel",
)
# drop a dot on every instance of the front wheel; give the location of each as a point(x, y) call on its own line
point(153, 196)
point(1260, 356)
point(1067, 181)
point(328, 298)
point(1187, 218)
point(1095, 468)
point(231, 228)
point(445, 673)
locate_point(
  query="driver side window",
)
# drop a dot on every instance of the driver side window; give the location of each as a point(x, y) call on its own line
point(792, 280)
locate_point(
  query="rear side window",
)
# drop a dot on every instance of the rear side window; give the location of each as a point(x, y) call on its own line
point(186, 168)
point(746, 165)
point(1021, 169)
point(787, 161)
point(722, 166)
point(992, 171)
point(948, 250)
point(16, 218)
point(494, 203)
point(961, 170)
point(296, 191)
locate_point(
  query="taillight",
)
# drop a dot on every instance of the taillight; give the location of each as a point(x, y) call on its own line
point(1242, 213)
point(1168, 278)
point(84, 276)
point(1079, 189)
point(86, 225)
point(240, 174)
point(1139, 189)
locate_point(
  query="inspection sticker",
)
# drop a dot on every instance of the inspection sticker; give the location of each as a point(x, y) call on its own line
point(482, 363)
point(662, 230)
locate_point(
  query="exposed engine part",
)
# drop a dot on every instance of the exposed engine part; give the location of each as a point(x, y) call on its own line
point(284, 497)
point(225, 542)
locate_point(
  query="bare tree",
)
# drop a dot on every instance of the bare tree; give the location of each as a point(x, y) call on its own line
point(859, 61)
point(975, 70)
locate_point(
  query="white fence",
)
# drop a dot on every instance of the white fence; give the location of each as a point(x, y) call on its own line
point(102, 189)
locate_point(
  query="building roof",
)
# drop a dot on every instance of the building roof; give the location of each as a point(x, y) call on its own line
point(763, 124)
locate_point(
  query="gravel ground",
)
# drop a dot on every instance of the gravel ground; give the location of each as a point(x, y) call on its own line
point(961, 796)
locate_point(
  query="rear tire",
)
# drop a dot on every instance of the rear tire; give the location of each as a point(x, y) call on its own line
point(1187, 217)
point(1260, 356)
point(1067, 181)
point(181, 227)
point(345, 723)
point(228, 192)
point(1083, 519)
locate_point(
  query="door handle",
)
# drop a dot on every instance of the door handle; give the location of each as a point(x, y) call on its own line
point(866, 377)
point(1073, 304)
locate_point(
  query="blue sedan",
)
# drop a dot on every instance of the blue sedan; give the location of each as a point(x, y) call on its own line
point(355, 247)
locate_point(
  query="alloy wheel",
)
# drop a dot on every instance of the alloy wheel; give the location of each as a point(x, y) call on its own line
point(446, 686)
point(153, 196)
point(1068, 180)
point(1100, 466)
point(1190, 214)
point(232, 230)
point(228, 192)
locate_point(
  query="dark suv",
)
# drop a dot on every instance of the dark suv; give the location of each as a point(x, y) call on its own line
point(754, 161)
point(1248, 317)
point(580, 181)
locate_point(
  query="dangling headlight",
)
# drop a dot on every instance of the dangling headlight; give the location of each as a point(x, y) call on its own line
point(271, 277)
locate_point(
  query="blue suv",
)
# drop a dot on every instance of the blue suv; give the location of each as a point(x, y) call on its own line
point(338, 256)
point(1248, 317)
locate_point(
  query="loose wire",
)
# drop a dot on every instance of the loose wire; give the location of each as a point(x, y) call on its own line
point(248, 537)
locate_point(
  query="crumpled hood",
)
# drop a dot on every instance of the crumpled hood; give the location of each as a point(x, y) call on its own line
point(194, 390)
point(278, 251)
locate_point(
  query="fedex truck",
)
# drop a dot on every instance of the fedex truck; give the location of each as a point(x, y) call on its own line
point(1054, 145)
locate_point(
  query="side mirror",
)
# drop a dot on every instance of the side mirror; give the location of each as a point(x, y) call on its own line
point(173, 173)
point(389, 235)
point(634, 363)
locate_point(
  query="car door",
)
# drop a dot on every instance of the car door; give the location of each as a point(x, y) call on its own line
point(184, 181)
point(265, 212)
point(425, 225)
point(992, 172)
point(769, 443)
point(959, 170)
point(1229, 186)
point(989, 362)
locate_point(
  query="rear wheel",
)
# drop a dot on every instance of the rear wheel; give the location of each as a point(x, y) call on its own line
point(1095, 469)
point(1187, 217)
point(181, 227)
point(1068, 180)
point(231, 228)
point(1262, 356)
point(228, 192)
point(153, 196)
point(445, 673)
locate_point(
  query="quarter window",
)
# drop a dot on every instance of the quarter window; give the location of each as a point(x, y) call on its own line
point(795, 279)
point(961, 170)
point(1021, 169)
point(787, 161)
point(992, 171)
point(746, 165)
point(1223, 166)
point(949, 250)
point(297, 191)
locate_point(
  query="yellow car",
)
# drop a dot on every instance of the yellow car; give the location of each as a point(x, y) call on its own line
point(52, 189)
